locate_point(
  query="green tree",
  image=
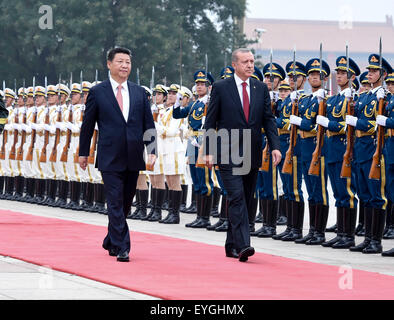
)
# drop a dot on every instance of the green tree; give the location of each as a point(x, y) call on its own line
point(171, 35)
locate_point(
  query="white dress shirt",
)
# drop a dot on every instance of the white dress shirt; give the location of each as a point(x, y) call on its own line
point(125, 96)
point(238, 82)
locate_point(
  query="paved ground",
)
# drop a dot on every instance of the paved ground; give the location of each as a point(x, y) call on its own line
point(19, 280)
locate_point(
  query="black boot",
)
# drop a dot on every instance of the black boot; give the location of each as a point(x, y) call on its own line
point(282, 219)
point(2, 182)
point(136, 212)
point(223, 215)
point(206, 206)
point(312, 224)
point(51, 187)
point(153, 195)
point(340, 228)
point(63, 192)
point(30, 188)
point(272, 210)
point(166, 199)
point(388, 253)
point(298, 221)
point(360, 229)
point(378, 221)
point(347, 241)
point(184, 197)
point(19, 187)
point(252, 210)
point(263, 211)
point(368, 231)
point(389, 233)
point(159, 198)
point(75, 196)
point(215, 202)
point(289, 224)
point(320, 225)
point(199, 209)
point(9, 188)
point(176, 199)
point(87, 205)
point(193, 205)
point(170, 208)
point(259, 216)
point(144, 195)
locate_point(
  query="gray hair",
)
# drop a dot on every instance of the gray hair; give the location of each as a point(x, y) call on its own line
point(234, 56)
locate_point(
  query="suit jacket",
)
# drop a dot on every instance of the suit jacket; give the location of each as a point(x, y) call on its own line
point(120, 144)
point(225, 112)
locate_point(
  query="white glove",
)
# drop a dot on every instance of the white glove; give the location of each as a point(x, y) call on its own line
point(179, 97)
point(195, 143)
point(51, 129)
point(26, 128)
point(204, 99)
point(381, 120)
point(8, 127)
point(294, 96)
point(351, 121)
point(154, 108)
point(380, 94)
point(33, 126)
point(17, 127)
point(69, 125)
point(323, 121)
point(320, 94)
point(61, 126)
point(348, 93)
point(274, 96)
point(295, 120)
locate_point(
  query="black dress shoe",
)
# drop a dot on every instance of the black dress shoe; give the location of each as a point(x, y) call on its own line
point(112, 252)
point(245, 253)
point(232, 253)
point(389, 253)
point(123, 257)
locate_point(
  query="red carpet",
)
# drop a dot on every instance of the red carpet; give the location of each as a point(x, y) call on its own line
point(171, 268)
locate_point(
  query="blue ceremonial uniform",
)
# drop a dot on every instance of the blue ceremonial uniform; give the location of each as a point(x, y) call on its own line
point(194, 113)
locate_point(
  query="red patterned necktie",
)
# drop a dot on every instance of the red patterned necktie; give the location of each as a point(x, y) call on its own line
point(245, 101)
point(119, 97)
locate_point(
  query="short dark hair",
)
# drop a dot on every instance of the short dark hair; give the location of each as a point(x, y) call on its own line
point(112, 52)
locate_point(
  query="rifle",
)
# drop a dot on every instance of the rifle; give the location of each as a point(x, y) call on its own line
point(314, 168)
point(5, 135)
point(63, 157)
point(375, 173)
point(53, 155)
point(12, 155)
point(29, 156)
point(346, 171)
point(265, 165)
point(288, 162)
point(43, 156)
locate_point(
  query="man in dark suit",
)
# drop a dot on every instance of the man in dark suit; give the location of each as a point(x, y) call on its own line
point(239, 108)
point(123, 116)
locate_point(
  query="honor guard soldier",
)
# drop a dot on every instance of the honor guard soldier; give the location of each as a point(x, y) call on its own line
point(7, 101)
point(370, 191)
point(195, 114)
point(15, 182)
point(170, 130)
point(344, 188)
point(387, 121)
point(318, 73)
point(3, 121)
point(365, 87)
point(158, 191)
point(292, 181)
point(87, 187)
point(267, 181)
point(36, 184)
